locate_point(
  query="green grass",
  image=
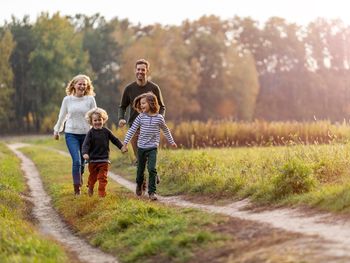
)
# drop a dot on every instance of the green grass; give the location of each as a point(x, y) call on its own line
point(19, 241)
point(314, 175)
point(135, 230)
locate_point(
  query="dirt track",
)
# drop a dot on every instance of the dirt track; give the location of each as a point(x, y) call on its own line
point(49, 221)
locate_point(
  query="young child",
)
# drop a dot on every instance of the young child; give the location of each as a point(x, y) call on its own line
point(96, 150)
point(150, 122)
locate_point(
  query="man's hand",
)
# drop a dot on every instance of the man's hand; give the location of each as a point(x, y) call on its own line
point(122, 123)
point(86, 156)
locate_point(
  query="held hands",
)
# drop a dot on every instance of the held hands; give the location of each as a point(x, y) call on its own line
point(86, 156)
point(122, 123)
point(124, 149)
point(174, 145)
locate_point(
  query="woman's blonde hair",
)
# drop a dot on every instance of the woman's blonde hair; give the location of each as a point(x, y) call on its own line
point(70, 90)
point(151, 100)
point(98, 111)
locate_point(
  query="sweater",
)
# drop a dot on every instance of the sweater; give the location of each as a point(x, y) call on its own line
point(131, 92)
point(96, 144)
point(149, 131)
point(72, 113)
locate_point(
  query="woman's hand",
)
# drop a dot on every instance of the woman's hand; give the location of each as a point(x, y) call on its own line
point(56, 136)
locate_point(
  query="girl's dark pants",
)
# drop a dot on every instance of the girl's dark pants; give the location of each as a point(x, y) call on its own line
point(148, 156)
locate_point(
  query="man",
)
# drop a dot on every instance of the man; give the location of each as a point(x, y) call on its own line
point(134, 89)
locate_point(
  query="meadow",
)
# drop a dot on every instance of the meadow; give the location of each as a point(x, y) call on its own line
point(314, 175)
point(309, 175)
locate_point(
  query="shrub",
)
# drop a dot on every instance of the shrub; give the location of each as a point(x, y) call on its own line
point(295, 177)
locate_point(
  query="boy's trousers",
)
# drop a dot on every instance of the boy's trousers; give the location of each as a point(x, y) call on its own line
point(98, 171)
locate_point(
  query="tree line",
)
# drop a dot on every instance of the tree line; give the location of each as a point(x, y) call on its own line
point(208, 69)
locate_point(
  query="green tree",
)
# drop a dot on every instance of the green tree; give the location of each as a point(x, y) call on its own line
point(6, 77)
point(23, 36)
point(57, 57)
point(104, 53)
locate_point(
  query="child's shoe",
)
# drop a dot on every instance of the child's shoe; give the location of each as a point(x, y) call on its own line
point(138, 190)
point(158, 179)
point(153, 197)
point(90, 191)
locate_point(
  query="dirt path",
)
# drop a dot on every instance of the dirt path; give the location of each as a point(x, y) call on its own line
point(332, 233)
point(49, 221)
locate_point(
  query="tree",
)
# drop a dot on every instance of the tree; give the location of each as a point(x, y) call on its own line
point(23, 36)
point(104, 53)
point(6, 77)
point(57, 57)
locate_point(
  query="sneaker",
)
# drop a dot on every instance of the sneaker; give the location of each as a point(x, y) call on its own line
point(153, 197)
point(138, 190)
point(90, 191)
point(158, 179)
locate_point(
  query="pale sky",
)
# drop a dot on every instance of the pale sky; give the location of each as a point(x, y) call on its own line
point(175, 11)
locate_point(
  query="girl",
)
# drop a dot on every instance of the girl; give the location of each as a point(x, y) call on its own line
point(74, 106)
point(149, 121)
point(96, 150)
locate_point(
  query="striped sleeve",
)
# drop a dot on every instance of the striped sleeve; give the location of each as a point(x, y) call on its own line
point(166, 131)
point(135, 125)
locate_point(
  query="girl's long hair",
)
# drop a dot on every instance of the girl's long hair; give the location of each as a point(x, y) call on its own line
point(151, 100)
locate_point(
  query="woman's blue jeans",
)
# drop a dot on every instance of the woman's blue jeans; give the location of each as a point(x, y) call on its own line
point(74, 144)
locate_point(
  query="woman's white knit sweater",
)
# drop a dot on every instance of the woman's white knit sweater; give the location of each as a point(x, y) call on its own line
point(73, 110)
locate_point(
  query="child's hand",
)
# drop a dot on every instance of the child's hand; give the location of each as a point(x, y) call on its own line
point(124, 149)
point(86, 156)
point(174, 145)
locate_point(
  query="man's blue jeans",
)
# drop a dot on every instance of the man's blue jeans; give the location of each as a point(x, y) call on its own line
point(74, 144)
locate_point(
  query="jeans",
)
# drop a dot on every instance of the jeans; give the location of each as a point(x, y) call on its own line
point(74, 143)
point(148, 156)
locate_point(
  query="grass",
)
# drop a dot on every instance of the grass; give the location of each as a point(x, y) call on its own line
point(19, 240)
point(313, 175)
point(135, 230)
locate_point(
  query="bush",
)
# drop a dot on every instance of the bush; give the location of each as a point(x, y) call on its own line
point(295, 177)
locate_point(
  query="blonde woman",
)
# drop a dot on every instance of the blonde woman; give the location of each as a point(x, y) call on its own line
point(79, 100)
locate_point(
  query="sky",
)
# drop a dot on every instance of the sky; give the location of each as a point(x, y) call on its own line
point(174, 12)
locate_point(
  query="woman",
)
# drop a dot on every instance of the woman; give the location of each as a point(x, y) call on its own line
point(79, 100)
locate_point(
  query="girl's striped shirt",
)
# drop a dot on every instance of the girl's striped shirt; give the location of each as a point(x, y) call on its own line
point(149, 131)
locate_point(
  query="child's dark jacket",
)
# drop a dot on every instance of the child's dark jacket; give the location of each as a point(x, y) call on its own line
point(96, 144)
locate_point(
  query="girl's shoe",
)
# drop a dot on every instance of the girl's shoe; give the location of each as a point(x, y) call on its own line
point(158, 179)
point(153, 197)
point(90, 191)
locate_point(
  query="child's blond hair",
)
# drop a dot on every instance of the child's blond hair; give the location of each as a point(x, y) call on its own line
point(98, 111)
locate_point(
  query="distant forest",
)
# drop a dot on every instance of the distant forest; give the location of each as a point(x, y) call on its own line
point(208, 69)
